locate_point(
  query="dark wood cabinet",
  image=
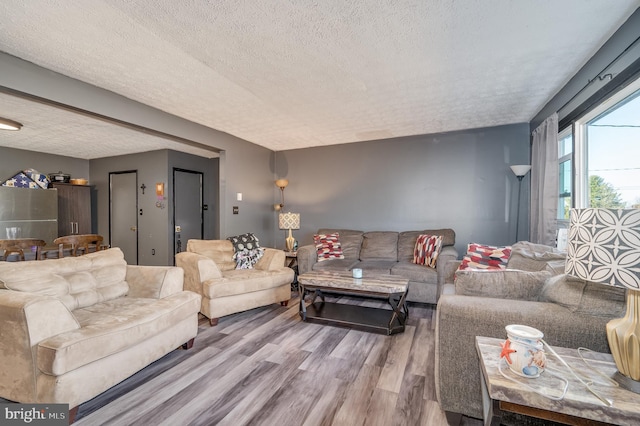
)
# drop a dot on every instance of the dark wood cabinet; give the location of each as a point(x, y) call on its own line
point(74, 209)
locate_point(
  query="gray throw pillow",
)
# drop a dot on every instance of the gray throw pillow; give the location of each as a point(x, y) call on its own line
point(584, 297)
point(503, 284)
point(528, 256)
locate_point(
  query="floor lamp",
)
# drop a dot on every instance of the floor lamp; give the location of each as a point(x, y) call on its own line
point(520, 171)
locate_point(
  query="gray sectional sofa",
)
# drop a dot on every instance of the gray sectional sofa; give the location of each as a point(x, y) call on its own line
point(386, 252)
point(534, 291)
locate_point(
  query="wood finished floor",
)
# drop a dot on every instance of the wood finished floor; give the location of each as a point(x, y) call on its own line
point(267, 367)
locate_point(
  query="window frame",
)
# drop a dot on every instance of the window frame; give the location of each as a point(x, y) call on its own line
point(566, 132)
point(580, 172)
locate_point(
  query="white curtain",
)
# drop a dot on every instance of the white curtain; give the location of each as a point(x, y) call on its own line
point(544, 182)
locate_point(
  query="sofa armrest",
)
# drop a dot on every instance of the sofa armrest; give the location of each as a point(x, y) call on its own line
point(155, 282)
point(27, 319)
point(271, 260)
point(447, 254)
point(197, 269)
point(450, 269)
point(307, 257)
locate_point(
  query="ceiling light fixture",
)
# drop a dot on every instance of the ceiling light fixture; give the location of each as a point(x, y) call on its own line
point(6, 124)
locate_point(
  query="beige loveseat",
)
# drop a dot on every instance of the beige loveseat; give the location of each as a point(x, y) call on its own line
point(533, 291)
point(386, 252)
point(71, 328)
point(209, 270)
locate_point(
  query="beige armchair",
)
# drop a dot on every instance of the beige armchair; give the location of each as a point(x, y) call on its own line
point(209, 270)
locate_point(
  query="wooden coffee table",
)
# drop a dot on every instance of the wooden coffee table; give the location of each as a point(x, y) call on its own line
point(390, 287)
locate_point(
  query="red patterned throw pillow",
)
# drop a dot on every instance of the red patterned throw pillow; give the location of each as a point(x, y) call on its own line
point(481, 256)
point(427, 250)
point(328, 246)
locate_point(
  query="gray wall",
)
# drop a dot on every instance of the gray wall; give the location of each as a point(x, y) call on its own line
point(13, 161)
point(458, 180)
point(151, 167)
point(155, 226)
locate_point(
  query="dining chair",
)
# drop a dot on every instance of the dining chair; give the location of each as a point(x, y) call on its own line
point(20, 246)
point(78, 244)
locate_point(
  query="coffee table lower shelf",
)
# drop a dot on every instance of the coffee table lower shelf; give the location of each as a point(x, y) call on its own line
point(358, 317)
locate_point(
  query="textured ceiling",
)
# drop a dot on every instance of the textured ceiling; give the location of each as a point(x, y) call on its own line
point(62, 132)
point(295, 73)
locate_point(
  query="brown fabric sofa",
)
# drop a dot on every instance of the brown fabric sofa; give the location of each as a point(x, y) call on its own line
point(209, 270)
point(71, 328)
point(570, 312)
point(386, 252)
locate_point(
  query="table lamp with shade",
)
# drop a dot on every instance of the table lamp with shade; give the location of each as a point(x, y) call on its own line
point(604, 247)
point(289, 221)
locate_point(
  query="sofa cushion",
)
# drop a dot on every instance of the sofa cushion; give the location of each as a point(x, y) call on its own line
point(110, 327)
point(584, 297)
point(350, 241)
point(77, 281)
point(376, 266)
point(555, 267)
point(417, 273)
point(503, 284)
point(220, 251)
point(379, 245)
point(407, 241)
point(480, 256)
point(328, 246)
point(427, 250)
point(528, 256)
point(241, 281)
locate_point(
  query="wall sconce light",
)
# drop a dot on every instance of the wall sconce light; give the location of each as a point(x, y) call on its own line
point(6, 124)
point(160, 195)
point(282, 184)
point(160, 190)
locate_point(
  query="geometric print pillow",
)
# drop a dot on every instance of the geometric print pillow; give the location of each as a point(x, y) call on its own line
point(427, 250)
point(247, 250)
point(485, 257)
point(246, 241)
point(328, 246)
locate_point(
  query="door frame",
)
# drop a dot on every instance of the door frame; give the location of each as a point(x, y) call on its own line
point(173, 189)
point(136, 207)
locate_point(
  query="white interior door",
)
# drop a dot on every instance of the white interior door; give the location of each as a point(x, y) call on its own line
point(123, 214)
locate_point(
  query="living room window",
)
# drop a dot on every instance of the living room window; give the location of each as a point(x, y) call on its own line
point(606, 155)
point(565, 171)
